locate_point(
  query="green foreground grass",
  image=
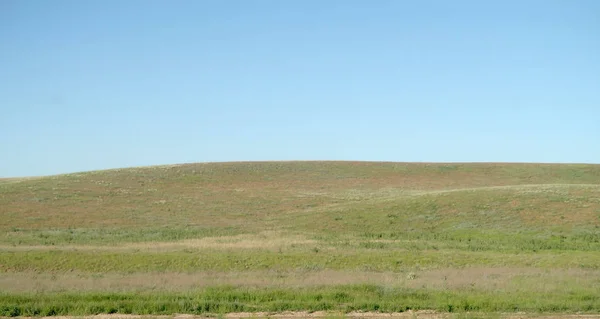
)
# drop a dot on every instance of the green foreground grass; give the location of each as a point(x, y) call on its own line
point(302, 236)
point(341, 298)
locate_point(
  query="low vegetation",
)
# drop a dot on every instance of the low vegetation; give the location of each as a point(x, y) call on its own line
point(302, 236)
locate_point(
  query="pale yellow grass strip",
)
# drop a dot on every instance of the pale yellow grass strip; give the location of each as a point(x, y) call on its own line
point(270, 240)
point(479, 278)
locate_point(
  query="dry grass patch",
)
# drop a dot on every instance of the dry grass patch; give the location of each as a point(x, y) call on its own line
point(270, 240)
point(486, 279)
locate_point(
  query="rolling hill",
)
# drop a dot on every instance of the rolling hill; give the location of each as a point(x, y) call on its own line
point(277, 236)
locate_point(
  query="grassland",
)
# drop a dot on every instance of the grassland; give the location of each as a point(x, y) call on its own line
point(303, 236)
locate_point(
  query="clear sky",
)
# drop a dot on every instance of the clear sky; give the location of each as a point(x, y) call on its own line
point(97, 84)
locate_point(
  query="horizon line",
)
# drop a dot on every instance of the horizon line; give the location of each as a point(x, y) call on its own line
point(298, 161)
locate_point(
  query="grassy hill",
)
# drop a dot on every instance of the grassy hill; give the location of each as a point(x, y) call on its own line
point(276, 236)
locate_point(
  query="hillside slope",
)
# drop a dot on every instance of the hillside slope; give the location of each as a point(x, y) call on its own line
point(248, 197)
point(434, 235)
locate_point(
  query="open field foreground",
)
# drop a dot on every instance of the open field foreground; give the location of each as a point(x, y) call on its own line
point(410, 314)
point(304, 239)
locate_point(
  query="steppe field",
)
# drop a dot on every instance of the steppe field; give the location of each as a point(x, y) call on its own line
point(304, 239)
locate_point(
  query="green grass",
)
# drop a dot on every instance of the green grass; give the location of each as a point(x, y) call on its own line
point(340, 298)
point(266, 226)
point(316, 259)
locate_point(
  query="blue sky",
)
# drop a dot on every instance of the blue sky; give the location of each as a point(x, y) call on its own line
point(88, 85)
